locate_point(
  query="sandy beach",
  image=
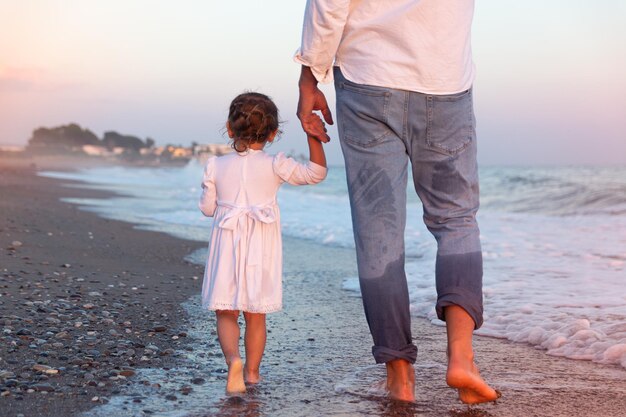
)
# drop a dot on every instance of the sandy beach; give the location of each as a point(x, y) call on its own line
point(87, 303)
point(90, 299)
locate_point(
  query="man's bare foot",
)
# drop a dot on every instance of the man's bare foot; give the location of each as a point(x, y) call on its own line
point(252, 376)
point(401, 380)
point(234, 382)
point(464, 376)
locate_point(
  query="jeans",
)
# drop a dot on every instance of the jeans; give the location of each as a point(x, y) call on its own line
point(380, 130)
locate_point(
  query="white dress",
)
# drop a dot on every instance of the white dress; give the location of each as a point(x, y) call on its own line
point(244, 265)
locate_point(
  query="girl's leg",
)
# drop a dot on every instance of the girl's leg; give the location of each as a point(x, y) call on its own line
point(228, 335)
point(255, 345)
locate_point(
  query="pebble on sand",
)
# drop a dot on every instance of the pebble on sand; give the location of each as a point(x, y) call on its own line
point(45, 369)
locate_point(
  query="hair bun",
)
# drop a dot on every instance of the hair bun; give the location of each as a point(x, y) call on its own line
point(252, 118)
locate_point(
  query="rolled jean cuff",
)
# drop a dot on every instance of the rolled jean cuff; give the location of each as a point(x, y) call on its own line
point(461, 297)
point(383, 354)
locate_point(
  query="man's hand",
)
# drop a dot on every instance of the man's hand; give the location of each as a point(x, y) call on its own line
point(312, 99)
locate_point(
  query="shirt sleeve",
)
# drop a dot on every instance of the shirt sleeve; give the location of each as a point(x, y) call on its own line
point(323, 25)
point(295, 173)
point(208, 200)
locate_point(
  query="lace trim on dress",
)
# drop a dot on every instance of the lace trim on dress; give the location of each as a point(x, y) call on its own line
point(245, 307)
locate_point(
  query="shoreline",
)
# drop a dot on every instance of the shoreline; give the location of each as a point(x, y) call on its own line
point(70, 162)
point(321, 334)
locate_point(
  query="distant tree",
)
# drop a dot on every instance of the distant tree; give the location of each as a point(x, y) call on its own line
point(67, 136)
point(113, 140)
point(150, 143)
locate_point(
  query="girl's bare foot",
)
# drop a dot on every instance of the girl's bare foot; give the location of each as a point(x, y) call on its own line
point(234, 382)
point(401, 380)
point(464, 376)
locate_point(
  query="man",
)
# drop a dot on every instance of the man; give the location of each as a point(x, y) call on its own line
point(403, 74)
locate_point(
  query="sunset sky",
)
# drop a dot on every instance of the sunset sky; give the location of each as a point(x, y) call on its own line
point(551, 85)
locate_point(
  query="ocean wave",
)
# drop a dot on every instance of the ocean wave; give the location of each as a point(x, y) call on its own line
point(555, 191)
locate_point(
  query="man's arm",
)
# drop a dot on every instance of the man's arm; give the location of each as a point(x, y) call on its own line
point(312, 99)
point(323, 25)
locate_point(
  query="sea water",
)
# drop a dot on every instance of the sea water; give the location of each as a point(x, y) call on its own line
point(554, 244)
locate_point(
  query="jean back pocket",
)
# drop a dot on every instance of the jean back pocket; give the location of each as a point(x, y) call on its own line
point(362, 112)
point(451, 126)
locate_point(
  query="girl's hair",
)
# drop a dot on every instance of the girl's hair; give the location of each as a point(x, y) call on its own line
point(252, 117)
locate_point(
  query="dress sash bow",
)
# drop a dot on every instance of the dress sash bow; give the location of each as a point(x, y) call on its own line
point(247, 244)
point(265, 213)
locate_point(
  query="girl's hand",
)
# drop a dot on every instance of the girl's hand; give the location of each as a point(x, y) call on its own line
point(316, 150)
point(316, 124)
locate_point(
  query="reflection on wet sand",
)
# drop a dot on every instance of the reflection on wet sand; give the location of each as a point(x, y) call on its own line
point(247, 405)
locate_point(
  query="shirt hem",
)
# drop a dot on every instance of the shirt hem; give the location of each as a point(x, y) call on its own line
point(413, 88)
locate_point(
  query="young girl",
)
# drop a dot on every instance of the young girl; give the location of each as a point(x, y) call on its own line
point(244, 265)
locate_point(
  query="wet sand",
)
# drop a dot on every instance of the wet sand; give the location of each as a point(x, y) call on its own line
point(318, 359)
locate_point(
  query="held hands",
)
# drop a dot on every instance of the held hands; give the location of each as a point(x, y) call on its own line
point(312, 99)
point(316, 150)
point(314, 123)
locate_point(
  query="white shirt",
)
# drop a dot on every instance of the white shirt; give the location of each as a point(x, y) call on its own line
point(415, 45)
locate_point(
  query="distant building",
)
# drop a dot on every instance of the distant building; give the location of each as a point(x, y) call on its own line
point(93, 150)
point(180, 152)
point(11, 148)
point(203, 152)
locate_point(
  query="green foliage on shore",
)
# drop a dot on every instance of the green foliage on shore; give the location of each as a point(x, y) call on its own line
point(68, 135)
point(73, 137)
point(114, 140)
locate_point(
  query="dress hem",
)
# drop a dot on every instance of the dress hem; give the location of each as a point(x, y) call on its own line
point(246, 308)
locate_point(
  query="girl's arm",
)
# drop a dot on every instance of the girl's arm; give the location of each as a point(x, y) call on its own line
point(208, 200)
point(296, 173)
point(316, 152)
point(316, 149)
